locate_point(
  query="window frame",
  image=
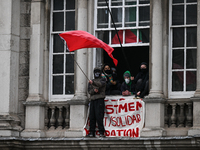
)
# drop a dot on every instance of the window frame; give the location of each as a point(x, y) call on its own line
point(184, 93)
point(110, 29)
point(59, 97)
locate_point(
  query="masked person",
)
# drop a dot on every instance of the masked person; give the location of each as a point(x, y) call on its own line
point(112, 85)
point(127, 87)
point(141, 81)
point(96, 89)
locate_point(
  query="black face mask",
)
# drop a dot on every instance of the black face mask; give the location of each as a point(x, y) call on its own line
point(143, 70)
point(108, 72)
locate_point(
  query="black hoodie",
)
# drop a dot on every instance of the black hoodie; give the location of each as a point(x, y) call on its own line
point(98, 83)
point(144, 75)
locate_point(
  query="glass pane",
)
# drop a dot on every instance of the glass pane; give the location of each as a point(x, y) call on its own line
point(178, 15)
point(117, 16)
point(116, 2)
point(191, 59)
point(58, 21)
point(144, 15)
point(104, 36)
point(178, 37)
point(177, 81)
point(130, 17)
point(191, 14)
point(101, 3)
point(189, 1)
point(115, 39)
point(178, 1)
point(58, 4)
point(144, 1)
point(190, 80)
point(57, 85)
point(70, 20)
point(58, 62)
point(192, 37)
point(69, 63)
point(70, 4)
point(131, 36)
point(130, 2)
point(58, 45)
point(102, 18)
point(69, 85)
point(144, 35)
point(178, 59)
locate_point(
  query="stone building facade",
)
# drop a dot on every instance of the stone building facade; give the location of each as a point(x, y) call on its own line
point(42, 102)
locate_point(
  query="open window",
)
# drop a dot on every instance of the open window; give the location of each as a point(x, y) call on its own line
point(132, 20)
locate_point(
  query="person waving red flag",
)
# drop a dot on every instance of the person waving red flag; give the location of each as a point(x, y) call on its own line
point(78, 39)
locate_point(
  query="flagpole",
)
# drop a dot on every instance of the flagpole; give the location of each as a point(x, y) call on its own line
point(117, 35)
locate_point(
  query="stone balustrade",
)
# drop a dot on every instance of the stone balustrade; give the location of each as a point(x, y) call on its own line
point(57, 116)
point(178, 114)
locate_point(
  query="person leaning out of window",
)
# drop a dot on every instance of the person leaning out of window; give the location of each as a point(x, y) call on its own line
point(127, 87)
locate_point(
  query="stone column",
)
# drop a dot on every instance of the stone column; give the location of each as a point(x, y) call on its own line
point(195, 130)
point(154, 119)
point(9, 66)
point(90, 30)
point(78, 104)
point(35, 111)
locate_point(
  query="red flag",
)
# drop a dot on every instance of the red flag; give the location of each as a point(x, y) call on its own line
point(81, 39)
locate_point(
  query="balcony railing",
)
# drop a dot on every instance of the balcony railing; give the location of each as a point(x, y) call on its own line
point(178, 116)
point(57, 116)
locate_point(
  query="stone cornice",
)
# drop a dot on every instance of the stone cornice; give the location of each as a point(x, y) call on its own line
point(154, 100)
point(34, 103)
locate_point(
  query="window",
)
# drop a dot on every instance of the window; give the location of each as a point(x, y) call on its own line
point(132, 20)
point(61, 61)
point(183, 48)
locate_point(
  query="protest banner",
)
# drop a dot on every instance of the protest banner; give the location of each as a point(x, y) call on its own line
point(123, 117)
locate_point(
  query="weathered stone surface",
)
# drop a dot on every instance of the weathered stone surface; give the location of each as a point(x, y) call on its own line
point(23, 69)
point(25, 33)
point(169, 143)
point(23, 57)
point(25, 20)
point(23, 82)
point(25, 45)
point(23, 94)
point(25, 7)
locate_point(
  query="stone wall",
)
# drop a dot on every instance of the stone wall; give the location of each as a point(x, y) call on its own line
point(25, 14)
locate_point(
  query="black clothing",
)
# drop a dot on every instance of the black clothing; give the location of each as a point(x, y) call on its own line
point(96, 115)
point(145, 77)
point(146, 88)
point(130, 88)
point(97, 102)
point(142, 81)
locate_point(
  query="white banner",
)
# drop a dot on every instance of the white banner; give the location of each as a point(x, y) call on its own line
point(124, 116)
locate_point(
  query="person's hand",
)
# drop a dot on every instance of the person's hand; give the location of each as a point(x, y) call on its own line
point(90, 81)
point(96, 90)
point(113, 82)
point(126, 93)
point(138, 93)
point(132, 78)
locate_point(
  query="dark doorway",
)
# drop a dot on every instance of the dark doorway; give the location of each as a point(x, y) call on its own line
point(134, 56)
